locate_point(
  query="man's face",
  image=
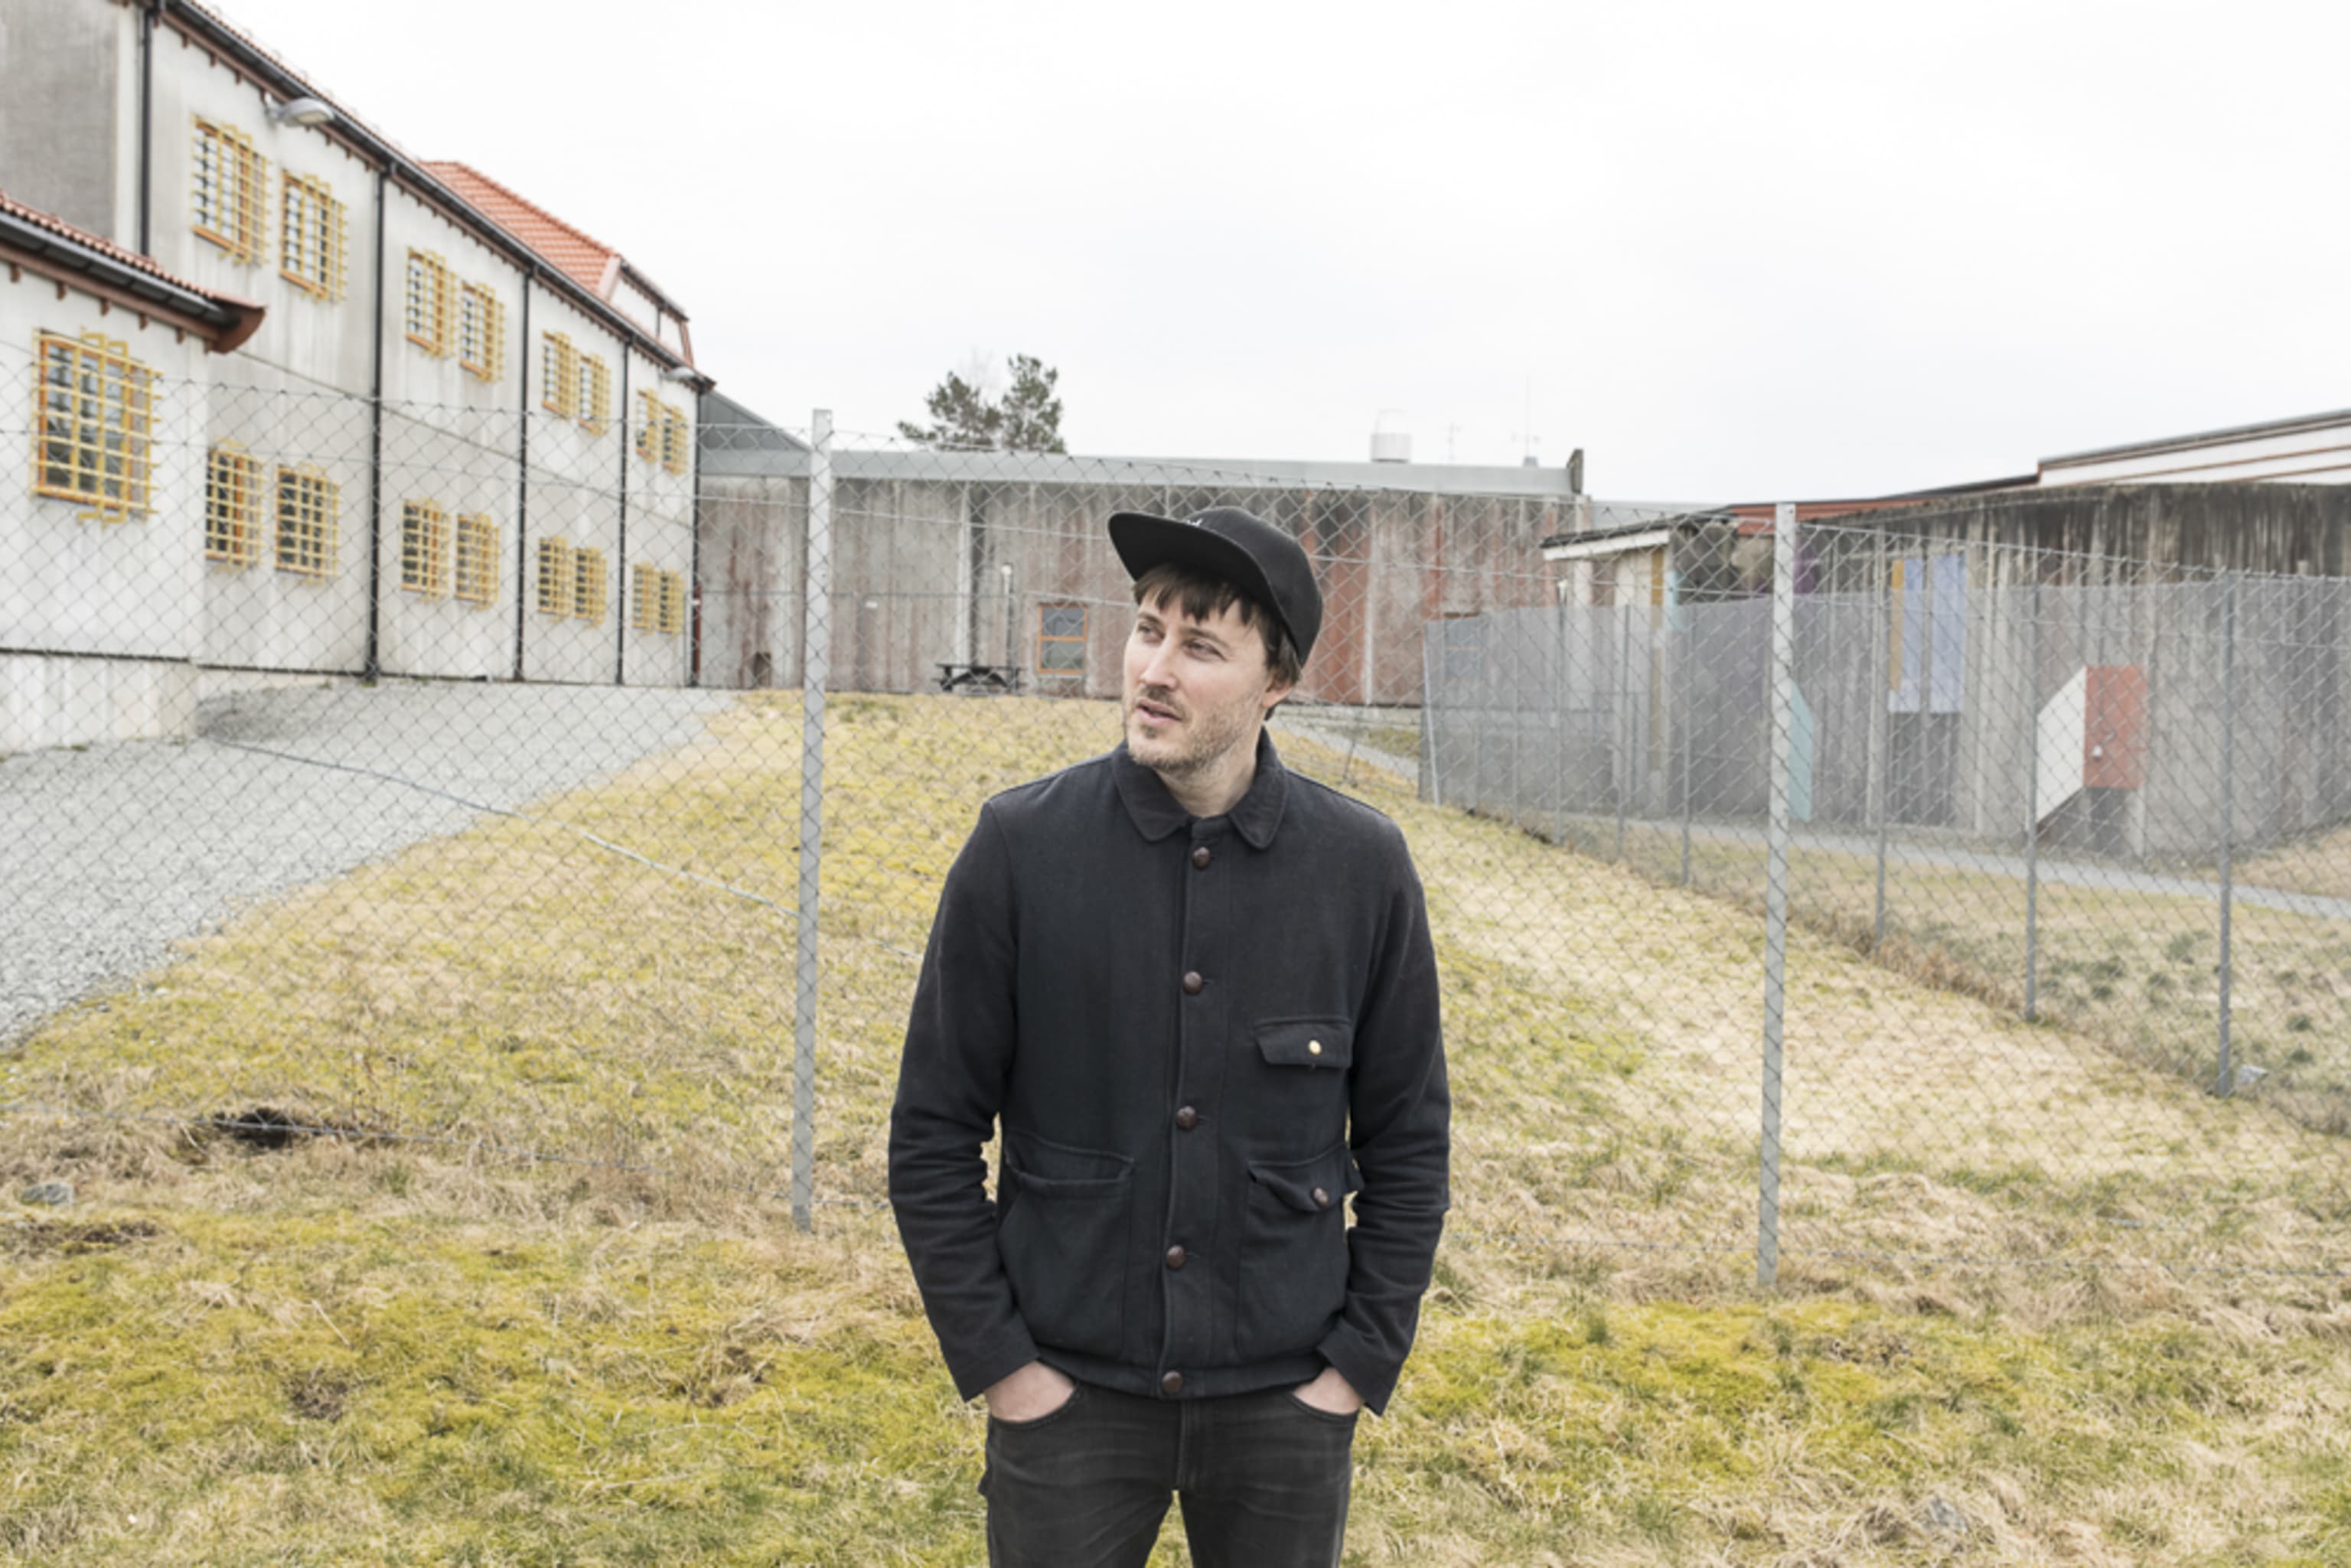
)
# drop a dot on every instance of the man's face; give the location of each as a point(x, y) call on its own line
point(1195, 690)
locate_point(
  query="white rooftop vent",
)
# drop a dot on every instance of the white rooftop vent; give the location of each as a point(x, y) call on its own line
point(1391, 447)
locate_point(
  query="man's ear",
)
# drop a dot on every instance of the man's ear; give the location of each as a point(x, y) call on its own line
point(1276, 691)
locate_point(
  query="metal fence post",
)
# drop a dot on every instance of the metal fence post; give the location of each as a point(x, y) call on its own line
point(1682, 710)
point(1881, 732)
point(2228, 1078)
point(2032, 813)
point(1621, 764)
point(816, 621)
point(1775, 918)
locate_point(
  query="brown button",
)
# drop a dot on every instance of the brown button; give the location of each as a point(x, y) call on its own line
point(1186, 1118)
point(1201, 857)
point(1172, 1383)
point(1321, 1198)
point(1175, 1257)
point(1193, 984)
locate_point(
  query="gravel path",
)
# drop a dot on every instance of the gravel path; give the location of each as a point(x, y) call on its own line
point(108, 855)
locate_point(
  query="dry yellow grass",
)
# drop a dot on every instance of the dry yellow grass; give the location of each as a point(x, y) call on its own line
point(345, 1350)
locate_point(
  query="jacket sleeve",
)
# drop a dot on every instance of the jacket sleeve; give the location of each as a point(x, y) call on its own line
point(1399, 1116)
point(951, 1077)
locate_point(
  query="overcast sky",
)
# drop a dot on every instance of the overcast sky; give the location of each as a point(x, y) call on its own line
point(1734, 251)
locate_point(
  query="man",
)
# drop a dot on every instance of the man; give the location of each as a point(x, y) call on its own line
point(1198, 992)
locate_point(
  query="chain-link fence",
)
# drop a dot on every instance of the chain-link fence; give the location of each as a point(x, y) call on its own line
point(578, 789)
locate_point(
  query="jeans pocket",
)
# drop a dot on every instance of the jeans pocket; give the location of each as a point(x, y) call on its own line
point(1077, 1392)
point(1329, 1417)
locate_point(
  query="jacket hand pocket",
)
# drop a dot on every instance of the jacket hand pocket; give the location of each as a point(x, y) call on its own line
point(1064, 1239)
point(1294, 1263)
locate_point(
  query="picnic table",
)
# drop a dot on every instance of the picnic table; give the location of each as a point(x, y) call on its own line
point(984, 680)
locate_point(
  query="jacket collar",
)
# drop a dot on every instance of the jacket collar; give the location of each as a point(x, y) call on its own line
point(1254, 816)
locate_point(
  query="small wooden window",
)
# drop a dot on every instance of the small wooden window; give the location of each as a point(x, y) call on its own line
point(1061, 639)
point(554, 576)
point(431, 302)
point(232, 506)
point(94, 432)
point(558, 375)
point(312, 237)
point(477, 560)
point(424, 548)
point(230, 182)
point(588, 585)
point(309, 525)
point(481, 332)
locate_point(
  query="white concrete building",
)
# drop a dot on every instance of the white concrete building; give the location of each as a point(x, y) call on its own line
point(455, 438)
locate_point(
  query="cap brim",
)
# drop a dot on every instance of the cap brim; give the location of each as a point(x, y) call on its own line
point(1144, 541)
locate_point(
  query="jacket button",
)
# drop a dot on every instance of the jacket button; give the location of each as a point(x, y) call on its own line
point(1172, 1383)
point(1175, 1257)
point(1193, 984)
point(1313, 1047)
point(1186, 1118)
point(1321, 1198)
point(1201, 857)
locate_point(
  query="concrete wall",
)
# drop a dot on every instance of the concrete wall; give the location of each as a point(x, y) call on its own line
point(63, 70)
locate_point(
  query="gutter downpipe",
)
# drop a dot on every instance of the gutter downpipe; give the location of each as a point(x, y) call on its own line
point(522, 476)
point(146, 119)
point(375, 450)
point(621, 607)
point(693, 559)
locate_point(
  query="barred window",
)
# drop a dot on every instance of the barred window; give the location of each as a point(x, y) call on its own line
point(477, 560)
point(588, 585)
point(595, 393)
point(649, 425)
point(230, 182)
point(309, 525)
point(675, 435)
point(232, 506)
point(554, 576)
point(645, 598)
point(430, 301)
point(424, 548)
point(673, 604)
point(482, 333)
point(93, 440)
point(313, 236)
point(558, 375)
point(1061, 639)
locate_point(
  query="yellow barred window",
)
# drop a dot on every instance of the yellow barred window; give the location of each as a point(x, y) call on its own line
point(309, 523)
point(649, 421)
point(558, 375)
point(673, 604)
point(588, 585)
point(675, 435)
point(231, 179)
point(431, 302)
point(645, 598)
point(595, 394)
point(312, 237)
point(477, 560)
point(232, 506)
point(554, 576)
point(94, 430)
point(424, 548)
point(482, 333)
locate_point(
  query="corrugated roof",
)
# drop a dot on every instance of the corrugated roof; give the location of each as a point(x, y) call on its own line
point(587, 261)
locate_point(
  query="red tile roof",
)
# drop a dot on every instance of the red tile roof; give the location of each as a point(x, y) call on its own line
point(589, 262)
point(115, 253)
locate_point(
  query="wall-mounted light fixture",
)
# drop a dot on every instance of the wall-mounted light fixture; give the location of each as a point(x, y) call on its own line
point(300, 111)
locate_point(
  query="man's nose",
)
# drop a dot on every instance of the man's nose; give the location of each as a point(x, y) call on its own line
point(1159, 669)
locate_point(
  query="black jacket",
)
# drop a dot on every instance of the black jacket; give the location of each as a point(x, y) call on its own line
point(1200, 1037)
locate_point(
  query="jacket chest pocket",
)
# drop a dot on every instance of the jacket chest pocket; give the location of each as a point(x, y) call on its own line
point(1293, 1264)
point(1297, 1072)
point(1063, 1238)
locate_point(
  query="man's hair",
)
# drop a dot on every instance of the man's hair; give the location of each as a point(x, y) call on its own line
point(1202, 595)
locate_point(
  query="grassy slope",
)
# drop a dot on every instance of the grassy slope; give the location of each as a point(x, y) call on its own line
point(427, 1352)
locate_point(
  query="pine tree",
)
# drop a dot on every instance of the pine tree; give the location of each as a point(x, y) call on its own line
point(964, 418)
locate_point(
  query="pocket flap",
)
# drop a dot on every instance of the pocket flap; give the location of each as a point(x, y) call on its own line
point(1058, 1170)
point(1310, 1186)
point(1307, 1042)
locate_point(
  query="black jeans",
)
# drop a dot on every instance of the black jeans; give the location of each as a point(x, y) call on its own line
point(1263, 1480)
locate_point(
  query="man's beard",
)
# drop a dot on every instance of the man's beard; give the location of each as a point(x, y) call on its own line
point(1199, 739)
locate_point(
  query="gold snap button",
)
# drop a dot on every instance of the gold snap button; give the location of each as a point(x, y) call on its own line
point(1313, 1047)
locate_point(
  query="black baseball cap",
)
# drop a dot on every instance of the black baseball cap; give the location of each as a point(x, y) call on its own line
point(1250, 553)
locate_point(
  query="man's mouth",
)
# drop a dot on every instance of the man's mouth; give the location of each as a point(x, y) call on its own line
point(1157, 712)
